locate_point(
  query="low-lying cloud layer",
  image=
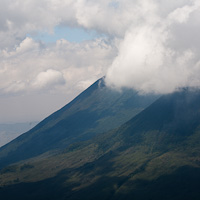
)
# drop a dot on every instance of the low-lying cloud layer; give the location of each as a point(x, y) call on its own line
point(150, 46)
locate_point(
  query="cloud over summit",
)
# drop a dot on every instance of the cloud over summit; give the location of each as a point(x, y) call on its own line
point(156, 42)
point(147, 45)
point(160, 54)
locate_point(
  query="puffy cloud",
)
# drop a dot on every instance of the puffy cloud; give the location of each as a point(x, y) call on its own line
point(48, 79)
point(150, 46)
point(151, 37)
point(159, 54)
point(32, 67)
point(37, 79)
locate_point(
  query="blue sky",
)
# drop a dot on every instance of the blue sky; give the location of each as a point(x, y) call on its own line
point(138, 44)
point(71, 34)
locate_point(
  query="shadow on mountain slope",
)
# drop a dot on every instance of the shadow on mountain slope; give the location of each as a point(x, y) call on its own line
point(183, 184)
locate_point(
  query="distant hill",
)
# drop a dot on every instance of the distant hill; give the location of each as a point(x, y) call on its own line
point(155, 155)
point(96, 110)
point(9, 132)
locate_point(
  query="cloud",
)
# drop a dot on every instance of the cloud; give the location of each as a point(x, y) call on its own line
point(158, 55)
point(48, 79)
point(150, 38)
point(150, 46)
point(32, 66)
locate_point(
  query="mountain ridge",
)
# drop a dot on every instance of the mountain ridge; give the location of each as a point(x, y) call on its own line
point(95, 110)
point(147, 157)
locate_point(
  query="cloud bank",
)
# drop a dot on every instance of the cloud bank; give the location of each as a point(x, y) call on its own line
point(150, 46)
point(156, 42)
point(160, 53)
point(31, 67)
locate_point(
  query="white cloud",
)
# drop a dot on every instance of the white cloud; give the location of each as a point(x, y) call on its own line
point(27, 45)
point(32, 67)
point(151, 46)
point(182, 14)
point(48, 79)
point(154, 56)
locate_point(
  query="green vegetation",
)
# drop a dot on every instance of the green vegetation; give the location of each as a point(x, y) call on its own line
point(98, 109)
point(155, 155)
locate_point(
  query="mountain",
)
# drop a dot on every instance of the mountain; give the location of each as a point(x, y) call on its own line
point(96, 110)
point(9, 132)
point(155, 155)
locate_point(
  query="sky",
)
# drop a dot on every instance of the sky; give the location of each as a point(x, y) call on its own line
point(51, 50)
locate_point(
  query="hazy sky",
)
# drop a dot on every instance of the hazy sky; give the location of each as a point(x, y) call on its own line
point(51, 50)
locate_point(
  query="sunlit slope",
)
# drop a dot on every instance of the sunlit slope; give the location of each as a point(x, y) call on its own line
point(96, 110)
point(155, 155)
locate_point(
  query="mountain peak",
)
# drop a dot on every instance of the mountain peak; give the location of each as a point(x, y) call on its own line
point(96, 110)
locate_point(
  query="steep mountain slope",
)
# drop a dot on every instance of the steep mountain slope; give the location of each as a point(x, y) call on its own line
point(155, 155)
point(96, 110)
